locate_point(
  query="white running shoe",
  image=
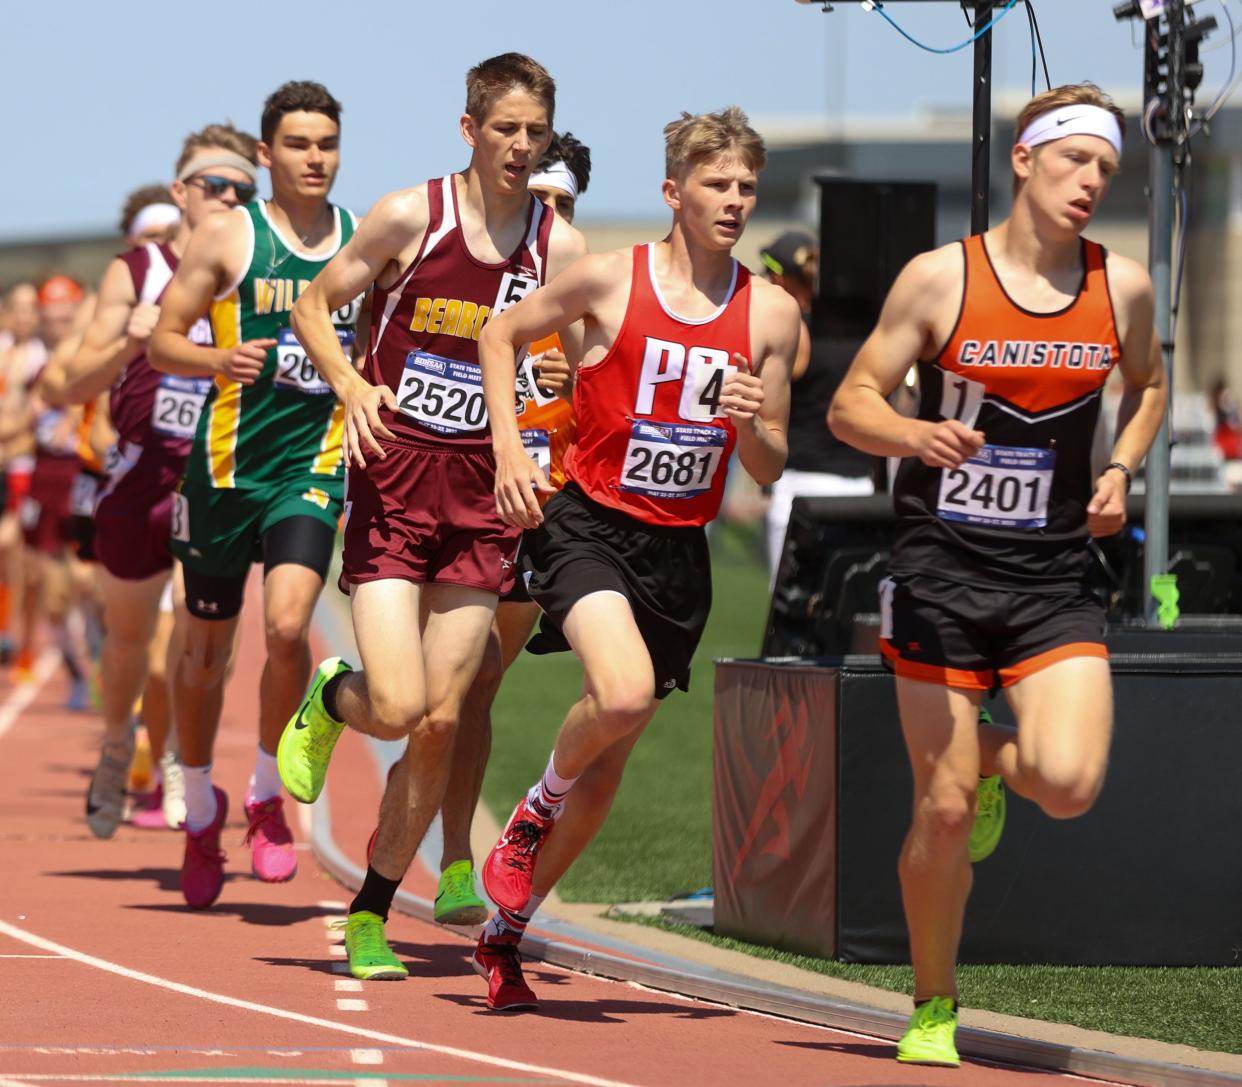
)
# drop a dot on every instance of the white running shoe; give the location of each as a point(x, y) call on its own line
point(174, 790)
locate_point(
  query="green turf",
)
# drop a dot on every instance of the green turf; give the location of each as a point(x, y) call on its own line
point(1195, 1006)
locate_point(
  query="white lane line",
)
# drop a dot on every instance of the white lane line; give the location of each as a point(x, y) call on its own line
point(331, 904)
point(32, 957)
point(297, 1017)
point(370, 1083)
point(351, 1004)
point(20, 698)
point(338, 950)
point(347, 985)
point(366, 1056)
point(4, 1082)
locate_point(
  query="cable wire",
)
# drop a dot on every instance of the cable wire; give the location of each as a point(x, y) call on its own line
point(1036, 36)
point(878, 8)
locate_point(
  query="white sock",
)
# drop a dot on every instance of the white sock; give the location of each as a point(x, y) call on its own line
point(200, 799)
point(550, 792)
point(532, 904)
point(265, 781)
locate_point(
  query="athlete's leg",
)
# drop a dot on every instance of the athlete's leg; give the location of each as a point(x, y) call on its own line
point(290, 592)
point(455, 633)
point(513, 624)
point(131, 613)
point(156, 692)
point(1059, 755)
point(940, 725)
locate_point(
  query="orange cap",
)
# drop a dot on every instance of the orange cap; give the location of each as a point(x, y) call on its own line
point(59, 289)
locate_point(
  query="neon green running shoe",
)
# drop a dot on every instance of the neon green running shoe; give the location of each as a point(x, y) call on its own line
point(370, 957)
point(985, 834)
point(309, 737)
point(929, 1038)
point(457, 901)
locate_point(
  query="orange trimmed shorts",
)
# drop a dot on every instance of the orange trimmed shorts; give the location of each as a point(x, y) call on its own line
point(959, 635)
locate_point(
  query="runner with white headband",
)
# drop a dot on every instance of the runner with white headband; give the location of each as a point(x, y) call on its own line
point(1014, 334)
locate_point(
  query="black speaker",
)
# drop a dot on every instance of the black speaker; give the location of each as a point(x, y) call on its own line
point(868, 231)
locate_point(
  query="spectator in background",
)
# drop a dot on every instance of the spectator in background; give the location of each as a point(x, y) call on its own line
point(1228, 432)
point(818, 464)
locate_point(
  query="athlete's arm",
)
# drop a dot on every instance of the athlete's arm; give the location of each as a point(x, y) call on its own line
point(117, 334)
point(390, 229)
point(860, 413)
point(1145, 396)
point(757, 400)
point(558, 305)
point(213, 260)
point(802, 361)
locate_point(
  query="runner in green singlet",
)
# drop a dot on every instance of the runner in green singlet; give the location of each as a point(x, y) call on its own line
point(265, 478)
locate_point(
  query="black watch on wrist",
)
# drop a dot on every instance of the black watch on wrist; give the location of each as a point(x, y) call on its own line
point(1124, 471)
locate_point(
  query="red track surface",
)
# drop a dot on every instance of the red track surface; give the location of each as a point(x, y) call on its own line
point(106, 976)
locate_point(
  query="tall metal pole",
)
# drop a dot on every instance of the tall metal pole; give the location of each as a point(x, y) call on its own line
point(1160, 264)
point(981, 140)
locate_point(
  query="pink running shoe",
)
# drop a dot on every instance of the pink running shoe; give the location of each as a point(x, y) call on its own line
point(510, 866)
point(202, 870)
point(148, 810)
point(271, 842)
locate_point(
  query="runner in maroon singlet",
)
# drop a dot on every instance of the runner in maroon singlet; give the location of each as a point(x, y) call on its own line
point(426, 554)
point(682, 355)
point(155, 416)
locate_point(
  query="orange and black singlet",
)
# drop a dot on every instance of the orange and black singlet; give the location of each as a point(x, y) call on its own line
point(1014, 515)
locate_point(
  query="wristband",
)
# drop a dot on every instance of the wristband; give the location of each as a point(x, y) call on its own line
point(1123, 470)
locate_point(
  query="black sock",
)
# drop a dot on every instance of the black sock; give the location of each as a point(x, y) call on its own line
point(376, 895)
point(329, 695)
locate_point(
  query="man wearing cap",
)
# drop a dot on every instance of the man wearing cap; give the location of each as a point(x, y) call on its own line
point(155, 416)
point(1015, 334)
point(818, 463)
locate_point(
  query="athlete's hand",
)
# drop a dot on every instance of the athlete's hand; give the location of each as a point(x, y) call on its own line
point(362, 420)
point(244, 363)
point(142, 321)
point(741, 397)
point(518, 478)
point(1106, 512)
point(556, 376)
point(946, 444)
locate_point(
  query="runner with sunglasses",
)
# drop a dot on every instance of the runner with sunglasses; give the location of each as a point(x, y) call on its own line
point(155, 417)
point(265, 476)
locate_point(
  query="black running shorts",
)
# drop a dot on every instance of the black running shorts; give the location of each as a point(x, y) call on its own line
point(665, 574)
point(958, 635)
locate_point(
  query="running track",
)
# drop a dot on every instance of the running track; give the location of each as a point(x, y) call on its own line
point(106, 977)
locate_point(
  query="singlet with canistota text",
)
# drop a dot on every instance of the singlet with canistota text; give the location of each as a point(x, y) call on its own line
point(425, 328)
point(155, 415)
point(653, 440)
point(1014, 515)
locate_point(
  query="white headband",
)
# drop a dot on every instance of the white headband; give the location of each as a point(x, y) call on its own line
point(1078, 120)
point(154, 216)
point(557, 176)
point(210, 158)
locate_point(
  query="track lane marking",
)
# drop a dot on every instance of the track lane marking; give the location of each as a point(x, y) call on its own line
point(297, 1017)
point(19, 698)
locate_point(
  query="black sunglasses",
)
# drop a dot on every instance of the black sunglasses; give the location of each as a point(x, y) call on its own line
point(214, 185)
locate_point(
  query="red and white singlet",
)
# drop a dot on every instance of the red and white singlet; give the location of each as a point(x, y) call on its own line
point(425, 328)
point(652, 438)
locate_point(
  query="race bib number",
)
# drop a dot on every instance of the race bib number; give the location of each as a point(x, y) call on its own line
point(294, 369)
point(82, 495)
point(538, 447)
point(512, 290)
point(180, 526)
point(178, 404)
point(999, 487)
point(672, 460)
point(443, 394)
point(960, 398)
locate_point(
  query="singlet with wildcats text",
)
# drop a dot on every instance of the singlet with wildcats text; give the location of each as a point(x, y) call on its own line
point(653, 440)
point(288, 424)
point(425, 328)
point(1014, 514)
point(155, 415)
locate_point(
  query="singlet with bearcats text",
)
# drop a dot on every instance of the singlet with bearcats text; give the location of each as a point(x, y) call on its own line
point(652, 438)
point(155, 415)
point(1014, 515)
point(288, 424)
point(425, 328)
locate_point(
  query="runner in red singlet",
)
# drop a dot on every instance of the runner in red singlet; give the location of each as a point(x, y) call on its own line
point(1014, 334)
point(425, 553)
point(682, 355)
point(155, 416)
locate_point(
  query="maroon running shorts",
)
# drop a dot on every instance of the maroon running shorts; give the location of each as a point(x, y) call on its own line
point(133, 521)
point(44, 512)
point(427, 513)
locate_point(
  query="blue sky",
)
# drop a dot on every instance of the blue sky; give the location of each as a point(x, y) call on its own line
point(99, 96)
